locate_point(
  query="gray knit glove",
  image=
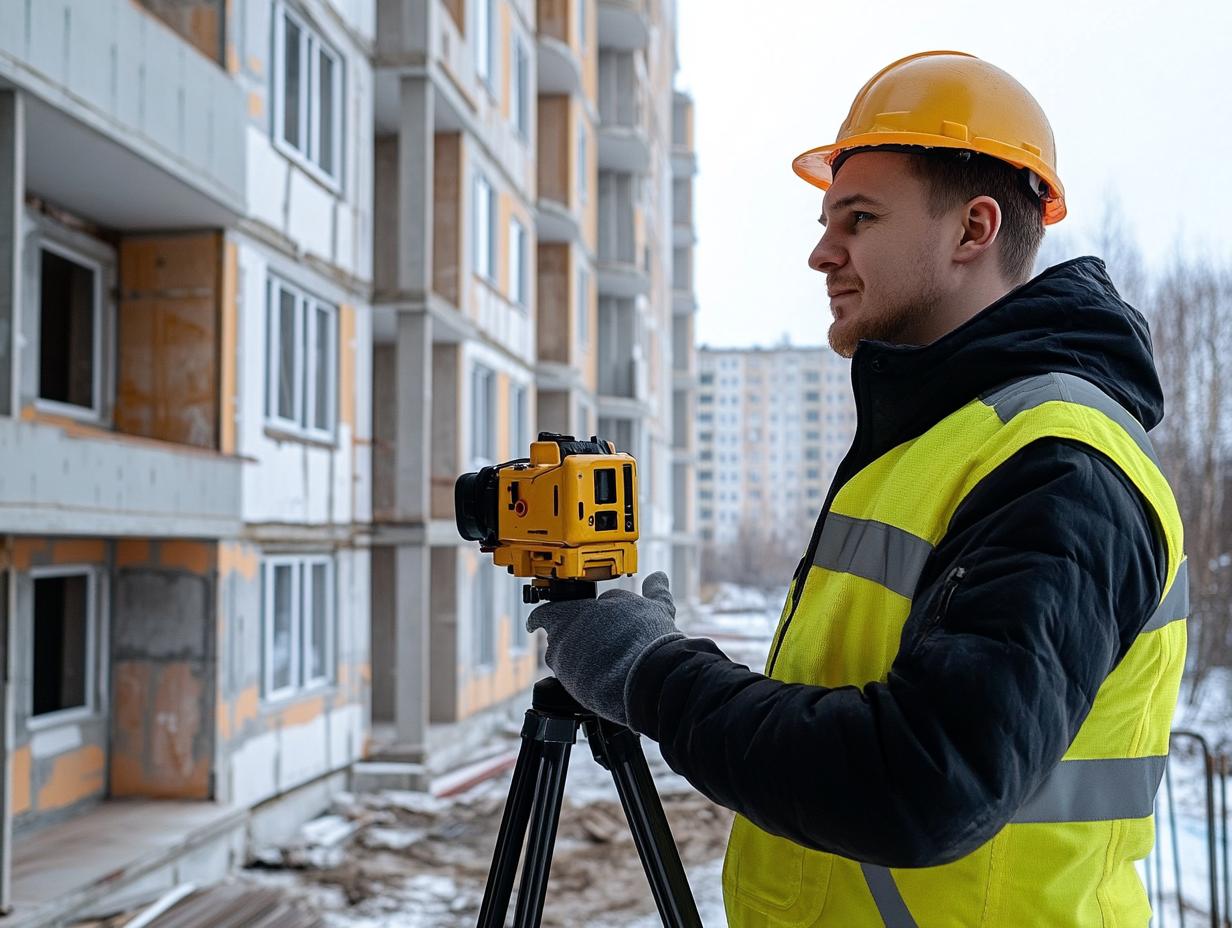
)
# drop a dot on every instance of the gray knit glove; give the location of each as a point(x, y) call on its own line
point(595, 644)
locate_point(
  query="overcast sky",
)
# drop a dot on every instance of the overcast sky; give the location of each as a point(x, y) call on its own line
point(1139, 95)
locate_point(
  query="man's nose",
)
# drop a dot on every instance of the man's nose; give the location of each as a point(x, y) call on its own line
point(825, 256)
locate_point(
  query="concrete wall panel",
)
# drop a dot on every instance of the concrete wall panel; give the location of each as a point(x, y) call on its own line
point(303, 751)
point(310, 216)
point(444, 638)
point(253, 769)
point(165, 675)
point(268, 176)
point(448, 222)
point(447, 415)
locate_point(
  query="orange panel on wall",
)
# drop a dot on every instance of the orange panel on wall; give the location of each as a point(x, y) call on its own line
point(167, 383)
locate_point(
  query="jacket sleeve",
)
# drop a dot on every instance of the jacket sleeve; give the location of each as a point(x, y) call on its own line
point(1062, 569)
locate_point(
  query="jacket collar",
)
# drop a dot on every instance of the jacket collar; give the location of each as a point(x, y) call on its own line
point(1068, 319)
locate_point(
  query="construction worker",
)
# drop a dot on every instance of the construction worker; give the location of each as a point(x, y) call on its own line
point(965, 712)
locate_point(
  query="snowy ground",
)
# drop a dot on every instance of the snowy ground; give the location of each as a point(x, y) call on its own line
point(408, 860)
point(1187, 855)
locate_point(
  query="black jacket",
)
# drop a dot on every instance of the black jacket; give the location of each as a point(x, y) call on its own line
point(1064, 565)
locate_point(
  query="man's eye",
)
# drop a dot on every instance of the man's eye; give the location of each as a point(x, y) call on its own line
point(858, 216)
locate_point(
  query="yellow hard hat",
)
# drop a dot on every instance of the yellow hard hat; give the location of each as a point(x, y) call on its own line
point(947, 99)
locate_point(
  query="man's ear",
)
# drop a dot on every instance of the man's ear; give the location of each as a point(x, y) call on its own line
point(981, 223)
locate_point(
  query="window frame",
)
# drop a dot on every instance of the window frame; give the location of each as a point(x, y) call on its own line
point(519, 418)
point(485, 44)
point(301, 617)
point(519, 249)
point(582, 285)
point(482, 371)
point(305, 377)
point(484, 663)
point(312, 45)
point(93, 412)
point(479, 184)
point(93, 648)
point(519, 88)
point(312, 309)
point(583, 160)
point(331, 624)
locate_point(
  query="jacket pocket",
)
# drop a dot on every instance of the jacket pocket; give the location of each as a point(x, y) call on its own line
point(953, 580)
point(774, 877)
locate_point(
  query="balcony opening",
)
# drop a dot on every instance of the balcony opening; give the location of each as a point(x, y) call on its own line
point(69, 308)
point(61, 643)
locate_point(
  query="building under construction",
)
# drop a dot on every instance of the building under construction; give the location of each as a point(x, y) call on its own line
point(272, 273)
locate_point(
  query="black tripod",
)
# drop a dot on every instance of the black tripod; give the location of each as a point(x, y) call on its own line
point(548, 735)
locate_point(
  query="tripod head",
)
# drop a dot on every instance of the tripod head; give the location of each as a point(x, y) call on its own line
point(557, 590)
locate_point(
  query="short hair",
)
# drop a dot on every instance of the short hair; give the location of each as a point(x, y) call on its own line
point(955, 177)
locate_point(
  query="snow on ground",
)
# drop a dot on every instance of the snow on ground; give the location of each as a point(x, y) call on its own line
point(409, 860)
point(1185, 802)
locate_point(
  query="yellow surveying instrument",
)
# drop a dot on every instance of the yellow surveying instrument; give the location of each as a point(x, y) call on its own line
point(566, 517)
point(568, 512)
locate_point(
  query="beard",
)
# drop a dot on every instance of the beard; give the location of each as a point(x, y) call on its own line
point(893, 321)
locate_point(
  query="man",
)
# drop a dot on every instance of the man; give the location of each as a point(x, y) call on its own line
point(966, 708)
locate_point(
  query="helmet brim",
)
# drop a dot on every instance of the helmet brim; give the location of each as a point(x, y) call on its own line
point(815, 165)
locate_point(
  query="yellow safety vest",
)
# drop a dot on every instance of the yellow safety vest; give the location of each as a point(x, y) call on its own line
point(1067, 858)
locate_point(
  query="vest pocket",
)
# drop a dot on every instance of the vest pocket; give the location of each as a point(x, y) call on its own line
point(774, 876)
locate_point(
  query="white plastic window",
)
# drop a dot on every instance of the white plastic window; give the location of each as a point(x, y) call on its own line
point(517, 263)
point(519, 88)
point(308, 95)
point(485, 22)
point(484, 226)
point(298, 624)
point(302, 361)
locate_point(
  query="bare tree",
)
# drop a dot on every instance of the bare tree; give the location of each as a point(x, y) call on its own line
point(762, 554)
point(1190, 310)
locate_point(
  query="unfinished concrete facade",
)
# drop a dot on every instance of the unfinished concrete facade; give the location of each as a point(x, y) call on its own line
point(453, 360)
point(686, 567)
point(185, 351)
point(523, 283)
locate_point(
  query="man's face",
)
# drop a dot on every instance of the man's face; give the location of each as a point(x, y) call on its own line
point(883, 255)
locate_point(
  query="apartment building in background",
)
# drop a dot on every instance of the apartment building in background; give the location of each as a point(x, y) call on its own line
point(773, 425)
point(272, 274)
point(522, 283)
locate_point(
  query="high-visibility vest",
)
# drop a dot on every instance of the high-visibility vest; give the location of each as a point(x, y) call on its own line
point(1067, 858)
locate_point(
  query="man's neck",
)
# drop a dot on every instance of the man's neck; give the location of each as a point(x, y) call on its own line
point(965, 303)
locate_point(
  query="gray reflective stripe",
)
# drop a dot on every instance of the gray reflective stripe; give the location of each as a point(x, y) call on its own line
point(1175, 605)
point(1096, 791)
point(888, 899)
point(872, 550)
point(1030, 392)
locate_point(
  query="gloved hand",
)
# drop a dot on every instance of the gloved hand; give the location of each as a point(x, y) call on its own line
point(595, 644)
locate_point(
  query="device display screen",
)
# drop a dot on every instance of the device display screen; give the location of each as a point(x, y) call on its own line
point(605, 486)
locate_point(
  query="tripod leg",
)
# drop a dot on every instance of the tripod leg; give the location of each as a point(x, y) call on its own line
point(620, 751)
point(549, 792)
point(509, 839)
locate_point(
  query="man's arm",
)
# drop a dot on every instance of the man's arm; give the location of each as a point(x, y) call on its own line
point(1063, 569)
